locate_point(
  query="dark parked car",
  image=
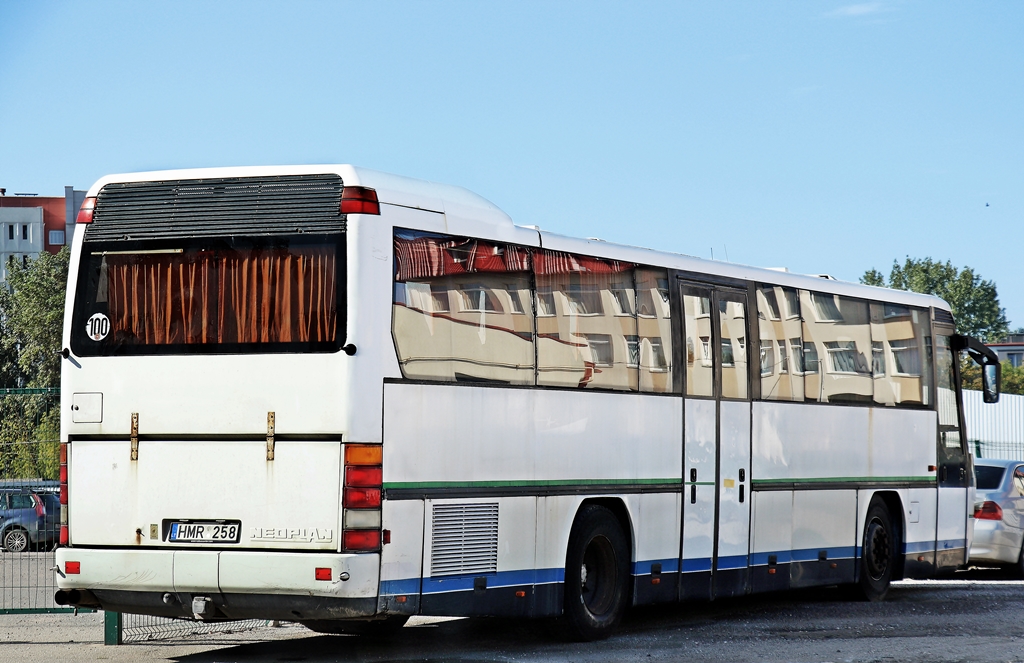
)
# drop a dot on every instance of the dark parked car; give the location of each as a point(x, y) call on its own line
point(27, 519)
point(999, 513)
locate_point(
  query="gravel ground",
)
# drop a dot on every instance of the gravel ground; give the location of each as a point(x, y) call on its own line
point(976, 617)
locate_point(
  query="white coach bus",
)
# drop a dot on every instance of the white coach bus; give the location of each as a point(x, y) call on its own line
point(340, 397)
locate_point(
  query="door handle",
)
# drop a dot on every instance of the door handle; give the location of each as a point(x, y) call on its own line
point(741, 493)
point(693, 494)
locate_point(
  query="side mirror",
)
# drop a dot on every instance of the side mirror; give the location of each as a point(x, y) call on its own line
point(989, 362)
point(990, 383)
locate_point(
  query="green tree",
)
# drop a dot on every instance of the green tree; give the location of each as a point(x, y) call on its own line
point(31, 323)
point(974, 301)
point(32, 308)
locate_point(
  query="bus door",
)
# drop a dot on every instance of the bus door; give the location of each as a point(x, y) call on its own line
point(716, 444)
point(952, 466)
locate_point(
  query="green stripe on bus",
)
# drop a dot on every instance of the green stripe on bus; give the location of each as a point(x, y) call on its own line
point(401, 485)
point(844, 480)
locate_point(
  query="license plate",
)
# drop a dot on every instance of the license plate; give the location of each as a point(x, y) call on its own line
point(204, 531)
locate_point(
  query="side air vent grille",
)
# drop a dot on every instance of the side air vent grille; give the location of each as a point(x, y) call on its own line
point(464, 539)
point(217, 207)
point(943, 316)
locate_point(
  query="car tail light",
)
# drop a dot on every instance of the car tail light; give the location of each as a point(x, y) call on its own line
point(988, 511)
point(361, 497)
point(64, 534)
point(86, 211)
point(40, 509)
point(359, 200)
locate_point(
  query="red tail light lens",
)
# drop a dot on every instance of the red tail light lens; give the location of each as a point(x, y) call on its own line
point(64, 535)
point(988, 511)
point(361, 498)
point(322, 573)
point(73, 568)
point(63, 493)
point(40, 509)
point(63, 473)
point(359, 200)
point(361, 539)
point(86, 211)
point(363, 477)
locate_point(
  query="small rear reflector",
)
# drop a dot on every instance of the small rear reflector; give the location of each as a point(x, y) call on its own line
point(85, 213)
point(64, 538)
point(361, 539)
point(73, 568)
point(364, 454)
point(359, 200)
point(323, 573)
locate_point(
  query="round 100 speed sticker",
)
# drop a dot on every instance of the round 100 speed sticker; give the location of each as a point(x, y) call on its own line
point(97, 327)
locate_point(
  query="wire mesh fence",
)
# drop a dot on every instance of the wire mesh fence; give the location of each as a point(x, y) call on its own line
point(29, 499)
point(143, 628)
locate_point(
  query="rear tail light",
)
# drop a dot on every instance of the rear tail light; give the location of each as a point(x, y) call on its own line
point(988, 511)
point(40, 509)
point(64, 535)
point(86, 211)
point(359, 200)
point(361, 497)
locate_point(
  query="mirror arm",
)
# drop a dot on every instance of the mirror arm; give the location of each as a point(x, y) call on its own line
point(979, 352)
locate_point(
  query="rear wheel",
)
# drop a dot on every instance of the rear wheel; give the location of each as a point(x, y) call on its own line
point(878, 554)
point(16, 540)
point(372, 628)
point(596, 575)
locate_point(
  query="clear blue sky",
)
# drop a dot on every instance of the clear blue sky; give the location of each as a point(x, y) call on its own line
point(819, 136)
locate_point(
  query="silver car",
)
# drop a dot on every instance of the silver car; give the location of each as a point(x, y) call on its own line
point(999, 513)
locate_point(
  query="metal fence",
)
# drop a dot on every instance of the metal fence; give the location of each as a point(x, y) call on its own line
point(29, 502)
point(995, 430)
point(143, 628)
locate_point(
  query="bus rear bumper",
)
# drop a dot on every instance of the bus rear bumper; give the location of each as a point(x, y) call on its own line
point(222, 584)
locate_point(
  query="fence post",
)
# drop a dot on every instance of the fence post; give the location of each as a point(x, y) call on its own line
point(112, 628)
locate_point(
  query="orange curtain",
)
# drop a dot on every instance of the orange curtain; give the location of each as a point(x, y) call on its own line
point(212, 297)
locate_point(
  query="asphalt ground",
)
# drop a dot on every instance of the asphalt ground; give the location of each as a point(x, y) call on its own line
point(977, 616)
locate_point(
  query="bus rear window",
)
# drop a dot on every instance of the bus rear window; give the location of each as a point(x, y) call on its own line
point(280, 294)
point(989, 478)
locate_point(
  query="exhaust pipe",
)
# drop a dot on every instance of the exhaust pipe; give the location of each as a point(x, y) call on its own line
point(67, 597)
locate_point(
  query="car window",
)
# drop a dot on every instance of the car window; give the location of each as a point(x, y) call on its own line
point(3, 501)
point(989, 477)
point(1018, 479)
point(22, 501)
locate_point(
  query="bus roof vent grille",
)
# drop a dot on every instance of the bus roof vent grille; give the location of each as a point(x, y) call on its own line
point(464, 539)
point(216, 207)
point(943, 316)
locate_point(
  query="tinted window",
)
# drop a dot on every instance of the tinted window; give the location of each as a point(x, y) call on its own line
point(22, 501)
point(838, 353)
point(232, 294)
point(989, 478)
point(900, 354)
point(587, 336)
point(781, 355)
point(462, 310)
point(654, 326)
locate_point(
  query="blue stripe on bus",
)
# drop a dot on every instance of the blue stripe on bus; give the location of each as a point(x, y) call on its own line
point(400, 587)
point(643, 568)
point(918, 547)
point(463, 582)
point(950, 543)
point(696, 564)
point(732, 562)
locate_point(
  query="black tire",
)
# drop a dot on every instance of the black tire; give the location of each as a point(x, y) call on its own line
point(371, 628)
point(596, 575)
point(878, 553)
point(16, 540)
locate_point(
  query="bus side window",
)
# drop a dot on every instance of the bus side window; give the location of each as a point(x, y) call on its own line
point(838, 336)
point(900, 356)
point(781, 347)
point(461, 310)
point(654, 329)
point(697, 330)
point(586, 325)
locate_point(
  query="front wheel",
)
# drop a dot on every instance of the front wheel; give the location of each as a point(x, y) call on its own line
point(16, 540)
point(878, 554)
point(596, 575)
